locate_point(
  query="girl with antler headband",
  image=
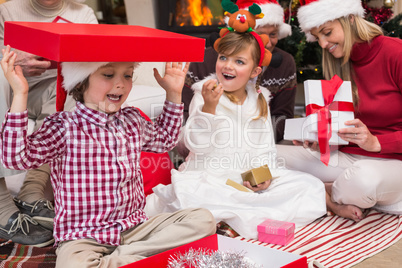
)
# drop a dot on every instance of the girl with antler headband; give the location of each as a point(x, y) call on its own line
point(229, 131)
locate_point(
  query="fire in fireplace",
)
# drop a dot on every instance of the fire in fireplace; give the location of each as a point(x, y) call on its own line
point(193, 17)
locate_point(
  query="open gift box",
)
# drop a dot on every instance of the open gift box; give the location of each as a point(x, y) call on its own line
point(260, 255)
point(340, 108)
point(257, 175)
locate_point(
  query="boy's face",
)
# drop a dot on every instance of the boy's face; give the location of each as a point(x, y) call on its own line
point(109, 87)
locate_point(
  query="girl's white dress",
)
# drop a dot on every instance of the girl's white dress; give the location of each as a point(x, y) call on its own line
point(224, 145)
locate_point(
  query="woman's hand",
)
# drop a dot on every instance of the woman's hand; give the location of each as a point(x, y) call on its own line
point(260, 187)
point(211, 92)
point(313, 146)
point(13, 72)
point(173, 80)
point(308, 145)
point(360, 135)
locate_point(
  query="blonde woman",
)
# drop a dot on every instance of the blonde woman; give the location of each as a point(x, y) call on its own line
point(365, 173)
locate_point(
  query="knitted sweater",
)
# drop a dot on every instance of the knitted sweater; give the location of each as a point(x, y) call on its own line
point(378, 76)
point(22, 10)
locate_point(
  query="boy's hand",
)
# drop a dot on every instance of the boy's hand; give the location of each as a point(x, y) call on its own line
point(13, 73)
point(173, 81)
point(211, 92)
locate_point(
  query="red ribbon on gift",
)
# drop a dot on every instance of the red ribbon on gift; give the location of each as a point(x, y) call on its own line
point(329, 89)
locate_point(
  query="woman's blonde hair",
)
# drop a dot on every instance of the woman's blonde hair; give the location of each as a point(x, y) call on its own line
point(356, 29)
point(233, 43)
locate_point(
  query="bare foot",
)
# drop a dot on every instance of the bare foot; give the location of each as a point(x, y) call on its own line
point(348, 211)
point(351, 212)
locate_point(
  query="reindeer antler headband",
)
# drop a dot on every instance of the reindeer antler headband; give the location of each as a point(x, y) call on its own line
point(243, 21)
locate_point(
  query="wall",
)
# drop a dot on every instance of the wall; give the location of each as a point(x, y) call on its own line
point(141, 12)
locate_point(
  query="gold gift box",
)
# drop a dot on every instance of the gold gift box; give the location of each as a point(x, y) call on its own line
point(257, 175)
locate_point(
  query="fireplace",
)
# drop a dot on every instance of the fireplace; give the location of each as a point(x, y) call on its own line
point(197, 18)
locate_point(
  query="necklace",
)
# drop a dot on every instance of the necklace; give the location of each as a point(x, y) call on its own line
point(58, 12)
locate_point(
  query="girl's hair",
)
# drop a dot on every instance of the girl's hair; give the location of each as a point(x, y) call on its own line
point(356, 29)
point(233, 43)
point(78, 91)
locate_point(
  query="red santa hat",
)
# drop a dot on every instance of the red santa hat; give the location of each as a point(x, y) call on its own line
point(73, 73)
point(314, 13)
point(273, 15)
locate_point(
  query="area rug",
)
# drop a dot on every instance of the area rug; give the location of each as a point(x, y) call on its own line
point(330, 241)
point(17, 255)
point(333, 241)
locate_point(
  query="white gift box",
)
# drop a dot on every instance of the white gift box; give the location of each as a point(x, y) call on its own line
point(262, 256)
point(305, 129)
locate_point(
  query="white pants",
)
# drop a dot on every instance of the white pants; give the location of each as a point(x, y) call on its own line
point(357, 180)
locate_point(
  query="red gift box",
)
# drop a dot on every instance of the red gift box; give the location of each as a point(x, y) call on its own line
point(265, 256)
point(75, 42)
point(276, 232)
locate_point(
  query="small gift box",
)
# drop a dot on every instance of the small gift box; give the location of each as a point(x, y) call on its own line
point(276, 232)
point(257, 175)
point(328, 105)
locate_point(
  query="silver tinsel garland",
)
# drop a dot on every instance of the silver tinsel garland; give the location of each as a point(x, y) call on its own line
point(205, 258)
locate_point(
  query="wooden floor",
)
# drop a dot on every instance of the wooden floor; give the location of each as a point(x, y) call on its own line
point(389, 258)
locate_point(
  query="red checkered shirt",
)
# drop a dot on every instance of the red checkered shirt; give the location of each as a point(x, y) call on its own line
point(95, 165)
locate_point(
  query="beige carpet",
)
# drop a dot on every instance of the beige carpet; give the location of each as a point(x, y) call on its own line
point(389, 258)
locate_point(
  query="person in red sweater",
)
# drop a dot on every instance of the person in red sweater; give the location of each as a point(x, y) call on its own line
point(365, 173)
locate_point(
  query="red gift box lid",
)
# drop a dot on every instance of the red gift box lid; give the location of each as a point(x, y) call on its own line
point(75, 42)
point(276, 227)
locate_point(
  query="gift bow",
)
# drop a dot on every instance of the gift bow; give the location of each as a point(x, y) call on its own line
point(329, 89)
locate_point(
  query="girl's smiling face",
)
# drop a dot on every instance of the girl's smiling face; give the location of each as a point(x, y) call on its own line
point(234, 71)
point(109, 87)
point(331, 37)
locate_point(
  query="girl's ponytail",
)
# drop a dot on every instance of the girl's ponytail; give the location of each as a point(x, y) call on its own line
point(261, 102)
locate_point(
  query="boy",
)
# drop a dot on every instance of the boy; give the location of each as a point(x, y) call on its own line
point(94, 154)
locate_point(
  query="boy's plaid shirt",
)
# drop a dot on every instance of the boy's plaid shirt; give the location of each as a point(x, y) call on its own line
point(95, 163)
